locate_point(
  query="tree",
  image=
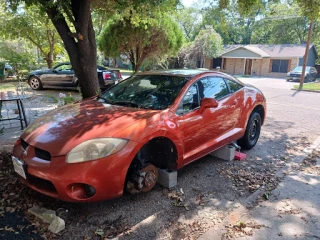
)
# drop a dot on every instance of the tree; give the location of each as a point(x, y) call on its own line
point(159, 35)
point(281, 25)
point(233, 27)
point(208, 43)
point(72, 19)
point(18, 55)
point(34, 26)
point(189, 20)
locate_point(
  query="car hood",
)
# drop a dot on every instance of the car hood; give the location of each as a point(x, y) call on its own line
point(64, 128)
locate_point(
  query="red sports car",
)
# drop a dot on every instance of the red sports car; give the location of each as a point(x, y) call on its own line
point(96, 149)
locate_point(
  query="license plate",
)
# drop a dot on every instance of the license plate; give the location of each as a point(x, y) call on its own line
point(116, 82)
point(19, 167)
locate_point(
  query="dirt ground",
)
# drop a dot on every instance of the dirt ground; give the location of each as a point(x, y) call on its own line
point(207, 190)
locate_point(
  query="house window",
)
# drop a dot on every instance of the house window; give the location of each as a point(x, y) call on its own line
point(216, 62)
point(280, 65)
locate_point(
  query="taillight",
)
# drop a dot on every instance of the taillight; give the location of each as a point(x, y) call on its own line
point(106, 75)
point(119, 75)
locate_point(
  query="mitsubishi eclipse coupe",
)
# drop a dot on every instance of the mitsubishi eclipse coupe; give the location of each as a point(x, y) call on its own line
point(98, 148)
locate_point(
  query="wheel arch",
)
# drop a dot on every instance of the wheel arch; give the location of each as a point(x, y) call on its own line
point(159, 151)
point(164, 151)
point(260, 109)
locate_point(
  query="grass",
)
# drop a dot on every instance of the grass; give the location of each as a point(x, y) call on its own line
point(10, 84)
point(315, 86)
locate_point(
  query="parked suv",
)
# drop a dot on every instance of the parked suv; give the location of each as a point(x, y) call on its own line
point(295, 74)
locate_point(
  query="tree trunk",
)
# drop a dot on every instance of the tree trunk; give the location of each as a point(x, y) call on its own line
point(49, 60)
point(81, 46)
point(306, 56)
point(135, 67)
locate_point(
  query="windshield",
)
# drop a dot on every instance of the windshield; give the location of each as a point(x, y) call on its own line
point(145, 91)
point(299, 69)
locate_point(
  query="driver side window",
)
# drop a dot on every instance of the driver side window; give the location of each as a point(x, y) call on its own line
point(190, 101)
point(65, 67)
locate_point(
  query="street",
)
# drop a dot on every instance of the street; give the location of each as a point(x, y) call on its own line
point(297, 113)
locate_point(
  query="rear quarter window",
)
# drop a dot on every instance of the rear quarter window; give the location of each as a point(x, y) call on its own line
point(233, 86)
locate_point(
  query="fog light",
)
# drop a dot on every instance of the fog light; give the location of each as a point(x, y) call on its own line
point(90, 191)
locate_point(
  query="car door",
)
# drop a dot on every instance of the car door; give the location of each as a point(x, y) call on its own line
point(191, 123)
point(221, 121)
point(62, 76)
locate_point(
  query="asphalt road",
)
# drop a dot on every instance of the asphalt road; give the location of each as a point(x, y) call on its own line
point(294, 112)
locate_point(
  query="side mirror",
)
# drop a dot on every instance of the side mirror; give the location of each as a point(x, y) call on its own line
point(55, 71)
point(209, 103)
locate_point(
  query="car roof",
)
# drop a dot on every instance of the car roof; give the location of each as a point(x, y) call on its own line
point(190, 73)
point(178, 72)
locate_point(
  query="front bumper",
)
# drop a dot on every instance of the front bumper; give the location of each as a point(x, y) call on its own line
point(294, 79)
point(67, 182)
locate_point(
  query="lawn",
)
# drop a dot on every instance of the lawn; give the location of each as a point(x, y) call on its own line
point(315, 86)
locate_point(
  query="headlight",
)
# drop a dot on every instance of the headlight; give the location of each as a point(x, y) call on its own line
point(94, 149)
point(288, 74)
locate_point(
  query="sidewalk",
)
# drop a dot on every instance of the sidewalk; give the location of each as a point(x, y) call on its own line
point(292, 210)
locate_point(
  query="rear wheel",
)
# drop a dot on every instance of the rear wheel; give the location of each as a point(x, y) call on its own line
point(35, 83)
point(251, 136)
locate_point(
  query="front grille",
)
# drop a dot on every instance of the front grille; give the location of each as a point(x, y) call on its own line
point(294, 75)
point(42, 154)
point(24, 144)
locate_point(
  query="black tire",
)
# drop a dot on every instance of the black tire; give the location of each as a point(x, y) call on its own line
point(251, 136)
point(35, 83)
point(307, 79)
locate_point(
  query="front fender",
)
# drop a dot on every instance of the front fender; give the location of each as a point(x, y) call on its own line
point(144, 131)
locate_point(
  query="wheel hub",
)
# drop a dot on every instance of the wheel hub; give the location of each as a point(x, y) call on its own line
point(143, 180)
point(150, 173)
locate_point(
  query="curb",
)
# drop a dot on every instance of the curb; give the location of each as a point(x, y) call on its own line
point(304, 90)
point(241, 208)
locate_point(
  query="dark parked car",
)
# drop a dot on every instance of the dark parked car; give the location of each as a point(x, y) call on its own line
point(8, 69)
point(63, 76)
point(94, 149)
point(295, 74)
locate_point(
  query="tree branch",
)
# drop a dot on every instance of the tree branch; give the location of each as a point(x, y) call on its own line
point(69, 15)
point(63, 29)
point(37, 45)
point(82, 12)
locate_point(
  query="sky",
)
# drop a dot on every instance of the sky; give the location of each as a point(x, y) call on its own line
point(187, 3)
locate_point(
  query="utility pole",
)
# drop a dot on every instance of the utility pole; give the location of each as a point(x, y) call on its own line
point(306, 55)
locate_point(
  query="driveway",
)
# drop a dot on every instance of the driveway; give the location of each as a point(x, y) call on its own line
point(208, 188)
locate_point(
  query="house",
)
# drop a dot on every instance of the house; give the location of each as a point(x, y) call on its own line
point(262, 60)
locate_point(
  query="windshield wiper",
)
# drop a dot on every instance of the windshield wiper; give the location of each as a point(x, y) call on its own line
point(106, 100)
point(129, 104)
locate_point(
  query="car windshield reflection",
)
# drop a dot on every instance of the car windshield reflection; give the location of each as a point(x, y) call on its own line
point(145, 91)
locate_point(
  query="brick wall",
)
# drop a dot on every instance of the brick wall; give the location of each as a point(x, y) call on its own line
point(260, 67)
